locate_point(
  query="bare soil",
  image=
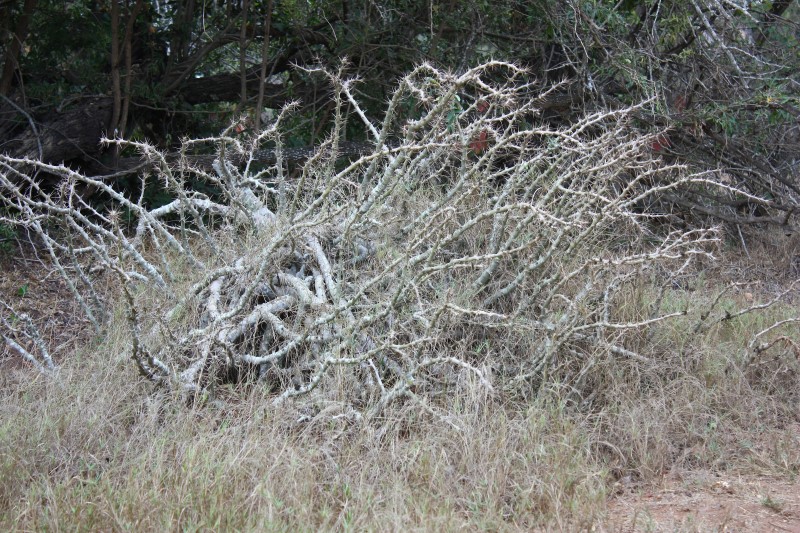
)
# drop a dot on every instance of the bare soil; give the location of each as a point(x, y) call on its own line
point(703, 501)
point(32, 288)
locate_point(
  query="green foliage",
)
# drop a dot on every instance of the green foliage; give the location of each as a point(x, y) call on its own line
point(23, 289)
point(68, 52)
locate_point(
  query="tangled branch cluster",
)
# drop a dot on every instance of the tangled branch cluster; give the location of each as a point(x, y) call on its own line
point(470, 246)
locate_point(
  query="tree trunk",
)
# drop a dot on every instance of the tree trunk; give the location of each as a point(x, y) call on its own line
point(15, 46)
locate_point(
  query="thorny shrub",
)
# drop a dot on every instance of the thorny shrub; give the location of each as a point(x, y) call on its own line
point(470, 246)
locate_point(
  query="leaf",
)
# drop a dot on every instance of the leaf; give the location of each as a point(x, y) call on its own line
point(452, 116)
point(660, 143)
point(480, 144)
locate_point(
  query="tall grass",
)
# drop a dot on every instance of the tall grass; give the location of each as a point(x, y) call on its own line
point(111, 453)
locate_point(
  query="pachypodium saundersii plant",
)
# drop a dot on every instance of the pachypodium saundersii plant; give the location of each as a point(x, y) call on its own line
point(478, 248)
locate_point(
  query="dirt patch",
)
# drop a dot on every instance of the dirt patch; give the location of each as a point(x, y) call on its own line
point(30, 287)
point(701, 501)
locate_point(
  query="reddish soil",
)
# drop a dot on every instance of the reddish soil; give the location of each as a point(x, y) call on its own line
point(700, 501)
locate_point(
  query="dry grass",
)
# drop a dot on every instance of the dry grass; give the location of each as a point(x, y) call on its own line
point(109, 453)
point(107, 456)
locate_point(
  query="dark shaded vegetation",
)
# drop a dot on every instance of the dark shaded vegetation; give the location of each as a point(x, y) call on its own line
point(718, 79)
